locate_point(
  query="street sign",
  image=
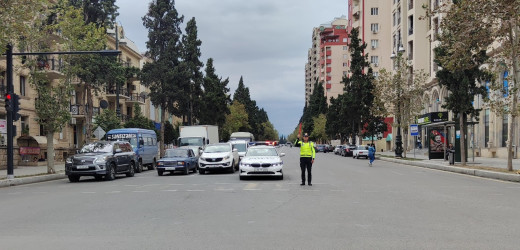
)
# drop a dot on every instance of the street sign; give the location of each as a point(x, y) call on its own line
point(414, 129)
point(99, 132)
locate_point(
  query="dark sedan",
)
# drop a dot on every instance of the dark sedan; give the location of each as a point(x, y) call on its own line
point(348, 150)
point(177, 159)
point(321, 148)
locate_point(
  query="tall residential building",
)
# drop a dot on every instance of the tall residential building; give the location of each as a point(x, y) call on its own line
point(373, 19)
point(327, 59)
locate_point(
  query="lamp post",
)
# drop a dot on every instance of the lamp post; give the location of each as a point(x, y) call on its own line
point(398, 137)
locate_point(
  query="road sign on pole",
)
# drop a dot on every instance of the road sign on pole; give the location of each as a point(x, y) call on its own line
point(414, 130)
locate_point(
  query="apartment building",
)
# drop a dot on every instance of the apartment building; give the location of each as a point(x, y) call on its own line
point(328, 58)
point(29, 133)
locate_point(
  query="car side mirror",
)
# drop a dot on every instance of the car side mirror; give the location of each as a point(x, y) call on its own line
point(282, 154)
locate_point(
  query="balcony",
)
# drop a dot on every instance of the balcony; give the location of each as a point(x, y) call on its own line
point(328, 86)
point(53, 67)
point(136, 98)
point(79, 111)
point(329, 69)
point(328, 53)
point(111, 93)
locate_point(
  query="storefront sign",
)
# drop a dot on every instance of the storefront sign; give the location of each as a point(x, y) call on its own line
point(3, 126)
point(29, 151)
point(432, 117)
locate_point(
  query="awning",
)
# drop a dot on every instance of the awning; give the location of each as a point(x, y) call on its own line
point(389, 137)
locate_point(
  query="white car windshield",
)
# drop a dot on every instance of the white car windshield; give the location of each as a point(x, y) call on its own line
point(191, 141)
point(361, 148)
point(240, 147)
point(261, 152)
point(97, 147)
point(217, 148)
point(176, 153)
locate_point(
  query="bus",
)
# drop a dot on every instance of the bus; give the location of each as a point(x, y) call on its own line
point(242, 136)
point(143, 141)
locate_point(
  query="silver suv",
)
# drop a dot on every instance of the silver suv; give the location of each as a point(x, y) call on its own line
point(102, 159)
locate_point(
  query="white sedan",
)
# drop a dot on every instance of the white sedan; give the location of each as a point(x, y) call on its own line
point(262, 161)
point(218, 156)
point(360, 151)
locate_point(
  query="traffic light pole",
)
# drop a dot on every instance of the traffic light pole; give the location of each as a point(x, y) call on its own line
point(10, 128)
point(10, 90)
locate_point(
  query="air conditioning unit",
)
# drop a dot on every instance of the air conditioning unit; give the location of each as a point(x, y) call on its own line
point(376, 64)
point(373, 47)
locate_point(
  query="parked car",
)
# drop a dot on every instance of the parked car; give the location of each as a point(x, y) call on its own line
point(321, 148)
point(102, 159)
point(348, 150)
point(262, 161)
point(218, 156)
point(338, 149)
point(330, 148)
point(178, 159)
point(360, 151)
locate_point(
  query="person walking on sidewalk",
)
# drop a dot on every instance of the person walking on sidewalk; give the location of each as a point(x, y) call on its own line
point(371, 153)
point(307, 155)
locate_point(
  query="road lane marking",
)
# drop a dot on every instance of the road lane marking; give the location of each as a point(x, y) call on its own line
point(170, 190)
point(88, 192)
point(195, 190)
point(140, 191)
point(224, 189)
point(113, 192)
point(280, 189)
point(251, 186)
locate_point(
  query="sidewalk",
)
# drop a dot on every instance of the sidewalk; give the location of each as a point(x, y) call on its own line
point(476, 167)
point(31, 174)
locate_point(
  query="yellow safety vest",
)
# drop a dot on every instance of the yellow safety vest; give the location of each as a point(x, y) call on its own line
point(306, 149)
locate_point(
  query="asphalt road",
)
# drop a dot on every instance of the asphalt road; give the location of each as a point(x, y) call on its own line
point(349, 206)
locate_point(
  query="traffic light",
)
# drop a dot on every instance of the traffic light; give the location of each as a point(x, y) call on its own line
point(16, 106)
point(8, 102)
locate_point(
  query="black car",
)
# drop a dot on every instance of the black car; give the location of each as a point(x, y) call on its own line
point(102, 159)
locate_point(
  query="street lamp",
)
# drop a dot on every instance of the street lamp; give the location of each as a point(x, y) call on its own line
point(398, 138)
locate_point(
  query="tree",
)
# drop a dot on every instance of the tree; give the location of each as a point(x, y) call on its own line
point(317, 105)
point(191, 57)
point(139, 120)
point(269, 132)
point(236, 120)
point(52, 110)
point(215, 98)
point(103, 13)
point(461, 56)
point(171, 133)
point(255, 115)
point(359, 85)
point(108, 120)
point(400, 92)
point(163, 76)
point(334, 125)
point(318, 133)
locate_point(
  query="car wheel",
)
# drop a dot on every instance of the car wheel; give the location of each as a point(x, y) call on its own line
point(111, 173)
point(232, 169)
point(74, 178)
point(195, 169)
point(159, 172)
point(98, 177)
point(187, 170)
point(201, 171)
point(242, 177)
point(139, 166)
point(131, 170)
point(152, 167)
point(280, 177)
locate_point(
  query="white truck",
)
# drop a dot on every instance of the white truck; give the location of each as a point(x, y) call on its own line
point(197, 137)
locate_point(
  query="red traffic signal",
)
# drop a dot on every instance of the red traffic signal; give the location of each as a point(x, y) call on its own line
point(8, 96)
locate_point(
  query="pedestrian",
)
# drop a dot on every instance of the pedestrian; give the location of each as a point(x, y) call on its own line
point(451, 154)
point(371, 153)
point(307, 155)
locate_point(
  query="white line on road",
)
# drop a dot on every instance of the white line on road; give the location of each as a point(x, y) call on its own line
point(224, 189)
point(140, 191)
point(171, 190)
point(113, 192)
point(195, 190)
point(252, 189)
point(280, 189)
point(88, 192)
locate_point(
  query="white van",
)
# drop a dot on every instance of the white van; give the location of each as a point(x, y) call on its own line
point(241, 146)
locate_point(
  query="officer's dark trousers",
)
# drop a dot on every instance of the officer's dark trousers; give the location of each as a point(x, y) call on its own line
point(306, 163)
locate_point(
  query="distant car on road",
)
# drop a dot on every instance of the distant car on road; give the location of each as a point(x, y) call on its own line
point(262, 161)
point(360, 151)
point(102, 159)
point(321, 148)
point(348, 150)
point(337, 149)
point(178, 159)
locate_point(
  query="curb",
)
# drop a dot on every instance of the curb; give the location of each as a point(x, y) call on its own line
point(31, 179)
point(459, 170)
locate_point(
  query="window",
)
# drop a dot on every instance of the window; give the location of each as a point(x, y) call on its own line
point(394, 18)
point(504, 129)
point(486, 127)
point(376, 75)
point(374, 43)
point(345, 56)
point(398, 16)
point(345, 40)
point(374, 27)
point(345, 64)
point(374, 11)
point(22, 85)
point(410, 25)
point(2, 83)
point(505, 83)
point(345, 73)
point(374, 60)
point(345, 47)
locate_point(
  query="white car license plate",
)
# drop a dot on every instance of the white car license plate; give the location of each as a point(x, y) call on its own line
point(81, 167)
point(169, 168)
point(261, 170)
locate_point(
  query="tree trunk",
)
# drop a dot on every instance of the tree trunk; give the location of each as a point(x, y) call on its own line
point(514, 39)
point(405, 141)
point(88, 112)
point(163, 118)
point(50, 153)
point(462, 125)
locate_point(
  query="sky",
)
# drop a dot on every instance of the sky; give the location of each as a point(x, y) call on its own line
point(265, 41)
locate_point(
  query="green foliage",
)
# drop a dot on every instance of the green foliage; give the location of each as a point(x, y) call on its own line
point(52, 104)
point(256, 116)
point(108, 120)
point(236, 120)
point(139, 120)
point(317, 105)
point(318, 133)
point(100, 12)
point(215, 98)
point(269, 132)
point(171, 133)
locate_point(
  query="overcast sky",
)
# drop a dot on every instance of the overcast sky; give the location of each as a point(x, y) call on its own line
point(265, 41)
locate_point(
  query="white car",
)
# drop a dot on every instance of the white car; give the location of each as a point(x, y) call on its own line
point(218, 156)
point(262, 161)
point(241, 146)
point(360, 151)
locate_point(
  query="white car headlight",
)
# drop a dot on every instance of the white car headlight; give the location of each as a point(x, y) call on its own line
point(227, 157)
point(277, 164)
point(245, 164)
point(180, 163)
point(68, 160)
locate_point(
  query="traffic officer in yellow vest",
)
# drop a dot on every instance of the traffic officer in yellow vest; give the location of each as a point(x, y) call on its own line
point(307, 155)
